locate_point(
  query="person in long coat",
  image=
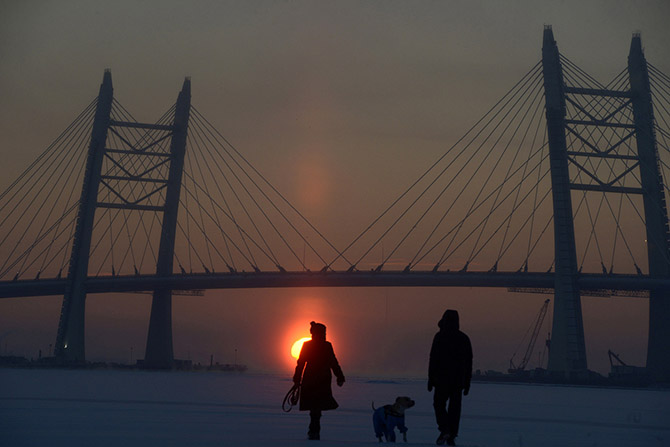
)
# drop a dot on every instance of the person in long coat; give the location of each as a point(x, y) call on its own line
point(313, 372)
point(449, 372)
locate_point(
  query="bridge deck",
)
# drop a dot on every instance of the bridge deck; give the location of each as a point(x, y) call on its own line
point(259, 280)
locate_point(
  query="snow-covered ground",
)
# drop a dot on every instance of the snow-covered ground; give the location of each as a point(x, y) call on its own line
point(131, 408)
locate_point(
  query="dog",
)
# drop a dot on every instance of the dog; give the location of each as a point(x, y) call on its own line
point(385, 419)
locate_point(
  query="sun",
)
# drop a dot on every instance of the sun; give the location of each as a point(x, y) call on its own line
point(297, 346)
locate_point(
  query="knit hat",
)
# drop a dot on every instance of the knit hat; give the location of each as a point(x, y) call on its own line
point(317, 329)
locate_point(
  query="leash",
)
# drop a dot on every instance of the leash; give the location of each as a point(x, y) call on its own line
point(291, 398)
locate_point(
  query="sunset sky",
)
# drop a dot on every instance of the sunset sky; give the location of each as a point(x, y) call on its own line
point(341, 105)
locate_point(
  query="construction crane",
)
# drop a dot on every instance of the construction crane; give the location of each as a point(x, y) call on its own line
point(615, 357)
point(623, 373)
point(515, 369)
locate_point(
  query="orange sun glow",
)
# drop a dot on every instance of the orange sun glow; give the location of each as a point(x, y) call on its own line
point(297, 346)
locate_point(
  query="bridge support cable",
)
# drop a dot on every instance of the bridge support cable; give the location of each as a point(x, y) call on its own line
point(38, 196)
point(245, 208)
point(189, 165)
point(656, 213)
point(253, 191)
point(230, 261)
point(535, 105)
point(55, 232)
point(505, 223)
point(19, 259)
point(250, 202)
point(476, 226)
point(514, 189)
point(203, 231)
point(485, 148)
point(249, 255)
point(511, 192)
point(245, 237)
point(208, 240)
point(188, 236)
point(508, 117)
point(44, 158)
point(471, 134)
point(31, 220)
point(508, 219)
point(530, 246)
point(225, 144)
point(520, 105)
point(199, 153)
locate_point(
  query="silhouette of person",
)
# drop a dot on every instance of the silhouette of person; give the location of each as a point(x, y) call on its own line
point(449, 372)
point(317, 358)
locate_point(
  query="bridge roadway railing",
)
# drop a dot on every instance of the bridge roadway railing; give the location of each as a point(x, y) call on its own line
point(260, 280)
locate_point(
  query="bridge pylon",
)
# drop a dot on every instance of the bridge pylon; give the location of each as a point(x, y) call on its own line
point(655, 212)
point(70, 346)
point(567, 354)
point(110, 170)
point(159, 352)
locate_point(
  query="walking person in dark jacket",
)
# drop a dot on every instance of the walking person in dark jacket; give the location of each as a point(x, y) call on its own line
point(317, 358)
point(449, 372)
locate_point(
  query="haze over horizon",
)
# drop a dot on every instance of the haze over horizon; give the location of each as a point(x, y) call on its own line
point(341, 106)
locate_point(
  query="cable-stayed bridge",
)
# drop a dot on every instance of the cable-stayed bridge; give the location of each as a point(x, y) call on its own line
point(561, 186)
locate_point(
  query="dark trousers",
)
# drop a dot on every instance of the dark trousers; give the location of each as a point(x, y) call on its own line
point(447, 418)
point(315, 421)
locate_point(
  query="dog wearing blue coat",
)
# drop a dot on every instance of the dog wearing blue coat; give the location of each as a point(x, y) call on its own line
point(389, 417)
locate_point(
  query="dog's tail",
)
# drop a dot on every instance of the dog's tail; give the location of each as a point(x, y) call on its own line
point(373, 406)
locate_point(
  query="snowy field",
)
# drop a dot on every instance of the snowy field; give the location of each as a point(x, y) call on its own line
point(131, 408)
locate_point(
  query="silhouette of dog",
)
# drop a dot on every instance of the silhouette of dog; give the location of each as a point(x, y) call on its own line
point(389, 417)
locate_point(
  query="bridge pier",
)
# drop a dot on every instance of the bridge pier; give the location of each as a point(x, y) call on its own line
point(655, 213)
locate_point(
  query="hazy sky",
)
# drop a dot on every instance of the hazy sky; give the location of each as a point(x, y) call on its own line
point(361, 95)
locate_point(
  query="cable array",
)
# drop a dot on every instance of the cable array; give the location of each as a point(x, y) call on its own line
point(39, 208)
point(485, 204)
point(233, 217)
